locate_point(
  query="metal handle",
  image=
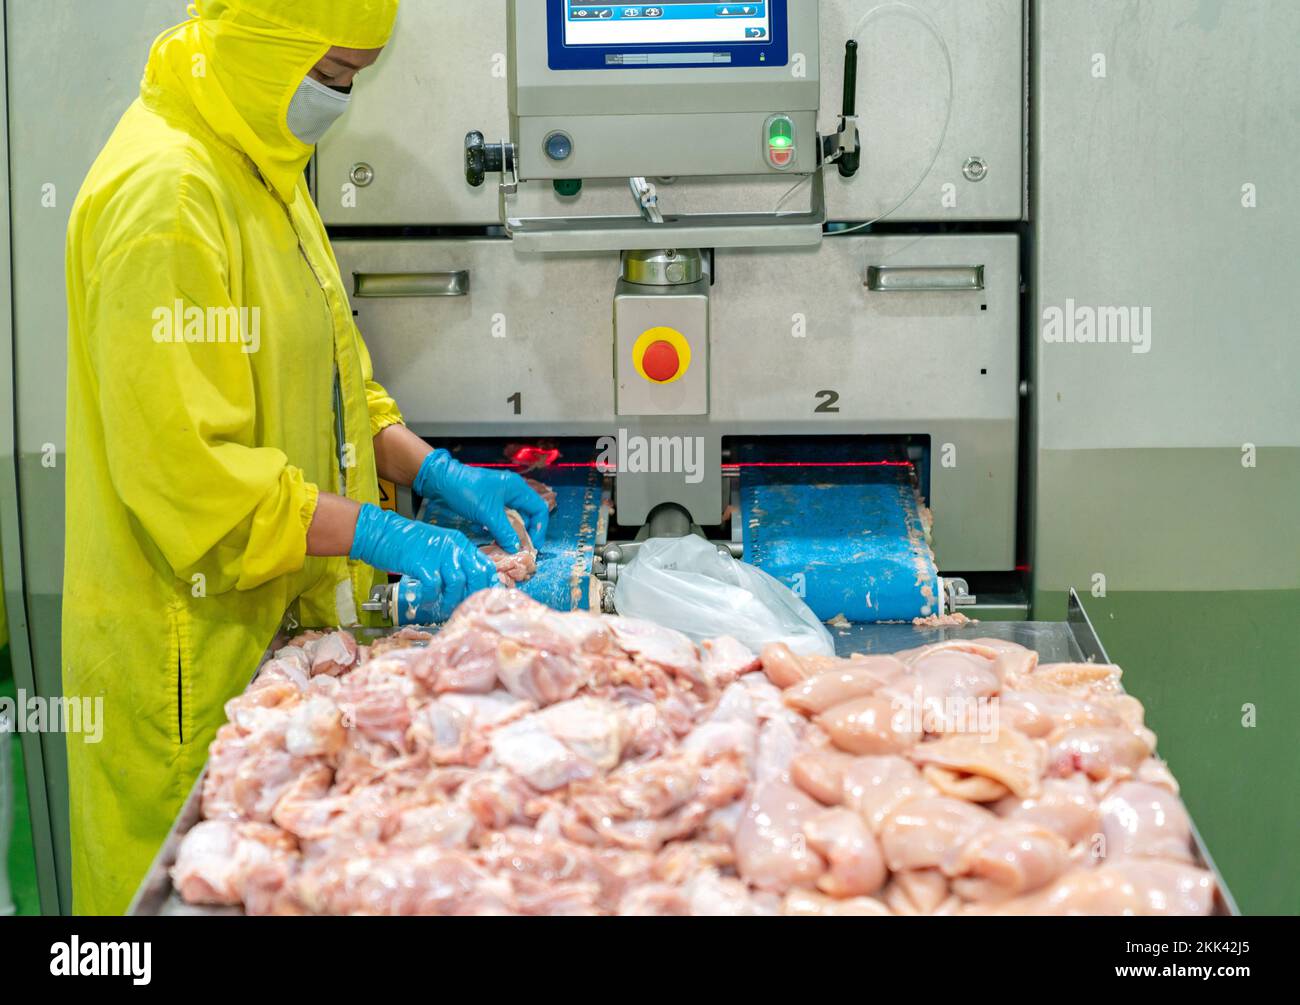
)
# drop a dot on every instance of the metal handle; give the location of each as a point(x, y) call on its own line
point(925, 279)
point(378, 285)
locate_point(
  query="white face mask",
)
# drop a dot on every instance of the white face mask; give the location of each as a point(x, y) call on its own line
point(314, 109)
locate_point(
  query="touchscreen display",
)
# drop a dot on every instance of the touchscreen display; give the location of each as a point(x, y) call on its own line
point(672, 22)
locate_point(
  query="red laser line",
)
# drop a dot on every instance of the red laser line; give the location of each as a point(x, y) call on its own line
point(821, 464)
point(740, 464)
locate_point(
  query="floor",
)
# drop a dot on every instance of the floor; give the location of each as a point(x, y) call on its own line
point(22, 862)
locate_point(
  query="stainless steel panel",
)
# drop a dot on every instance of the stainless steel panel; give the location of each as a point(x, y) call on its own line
point(789, 324)
point(902, 97)
point(789, 329)
point(1144, 191)
point(442, 75)
point(1165, 184)
point(683, 310)
point(445, 74)
point(540, 328)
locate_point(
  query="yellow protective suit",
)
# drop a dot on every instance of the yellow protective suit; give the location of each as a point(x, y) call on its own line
point(212, 357)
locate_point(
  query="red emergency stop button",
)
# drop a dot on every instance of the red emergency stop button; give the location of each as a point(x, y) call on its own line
point(661, 362)
point(662, 355)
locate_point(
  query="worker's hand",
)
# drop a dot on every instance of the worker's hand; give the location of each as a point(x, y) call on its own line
point(444, 566)
point(484, 495)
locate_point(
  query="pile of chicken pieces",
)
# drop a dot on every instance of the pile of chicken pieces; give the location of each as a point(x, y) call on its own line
point(524, 761)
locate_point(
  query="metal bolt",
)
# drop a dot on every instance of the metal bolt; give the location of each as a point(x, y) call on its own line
point(976, 169)
point(362, 175)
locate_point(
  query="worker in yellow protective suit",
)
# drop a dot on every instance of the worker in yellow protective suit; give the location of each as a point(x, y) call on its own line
point(225, 432)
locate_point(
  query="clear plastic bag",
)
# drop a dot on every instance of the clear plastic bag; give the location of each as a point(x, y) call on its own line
point(687, 584)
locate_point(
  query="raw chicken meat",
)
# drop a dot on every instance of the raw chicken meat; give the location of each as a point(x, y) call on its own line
point(920, 832)
point(1063, 805)
point(772, 851)
point(1145, 821)
point(1098, 752)
point(527, 762)
point(520, 566)
point(723, 660)
point(871, 725)
point(1128, 888)
point(841, 837)
point(530, 751)
point(876, 786)
point(918, 892)
point(563, 743)
point(1039, 713)
point(1006, 860)
point(335, 654)
point(873, 787)
point(1011, 760)
point(517, 567)
point(862, 676)
point(805, 903)
point(785, 668)
point(218, 855)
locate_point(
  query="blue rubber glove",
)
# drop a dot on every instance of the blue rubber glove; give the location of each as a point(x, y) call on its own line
point(484, 495)
point(441, 567)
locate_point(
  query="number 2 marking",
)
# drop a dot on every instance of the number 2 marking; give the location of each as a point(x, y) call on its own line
point(830, 401)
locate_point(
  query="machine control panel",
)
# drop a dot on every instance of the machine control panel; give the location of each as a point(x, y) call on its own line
point(681, 88)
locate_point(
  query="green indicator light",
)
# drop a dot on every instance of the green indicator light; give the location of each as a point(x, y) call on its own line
point(780, 142)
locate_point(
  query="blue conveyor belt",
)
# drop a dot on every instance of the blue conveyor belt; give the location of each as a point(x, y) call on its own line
point(849, 539)
point(563, 579)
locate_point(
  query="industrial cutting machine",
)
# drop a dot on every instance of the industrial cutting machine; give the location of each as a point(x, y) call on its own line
point(679, 343)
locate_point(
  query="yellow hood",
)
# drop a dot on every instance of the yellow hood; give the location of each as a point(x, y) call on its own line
point(239, 63)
